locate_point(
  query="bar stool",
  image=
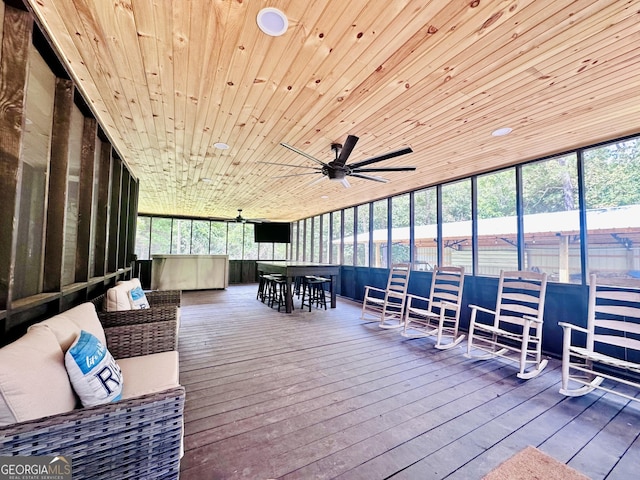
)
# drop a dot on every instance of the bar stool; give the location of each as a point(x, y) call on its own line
point(279, 291)
point(262, 286)
point(266, 289)
point(313, 292)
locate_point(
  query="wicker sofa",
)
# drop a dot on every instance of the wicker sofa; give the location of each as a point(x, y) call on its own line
point(139, 436)
point(145, 327)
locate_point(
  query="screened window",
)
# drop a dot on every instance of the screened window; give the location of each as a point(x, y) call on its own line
point(143, 237)
point(308, 227)
point(200, 237)
point(425, 205)
point(326, 240)
point(265, 251)
point(315, 250)
point(181, 237)
point(294, 240)
point(280, 251)
point(218, 238)
point(348, 239)
point(250, 246)
point(362, 245)
point(456, 224)
point(612, 198)
point(235, 241)
point(400, 221)
point(380, 241)
point(497, 223)
point(551, 218)
point(160, 236)
point(336, 256)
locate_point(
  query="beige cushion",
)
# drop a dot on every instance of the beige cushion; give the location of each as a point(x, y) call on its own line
point(66, 326)
point(117, 298)
point(33, 378)
point(149, 373)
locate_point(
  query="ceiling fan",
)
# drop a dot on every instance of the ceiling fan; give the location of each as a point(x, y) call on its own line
point(338, 169)
point(239, 219)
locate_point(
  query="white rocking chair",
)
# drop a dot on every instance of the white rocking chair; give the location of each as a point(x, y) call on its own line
point(611, 349)
point(515, 328)
point(438, 315)
point(387, 305)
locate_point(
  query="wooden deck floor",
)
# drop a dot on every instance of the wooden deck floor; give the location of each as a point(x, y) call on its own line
point(322, 394)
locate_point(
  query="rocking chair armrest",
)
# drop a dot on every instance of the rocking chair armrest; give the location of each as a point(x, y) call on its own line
point(417, 297)
point(533, 319)
point(570, 326)
point(444, 305)
point(449, 305)
point(482, 309)
point(375, 289)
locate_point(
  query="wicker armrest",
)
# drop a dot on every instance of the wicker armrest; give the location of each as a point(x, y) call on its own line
point(164, 297)
point(133, 317)
point(142, 339)
point(135, 438)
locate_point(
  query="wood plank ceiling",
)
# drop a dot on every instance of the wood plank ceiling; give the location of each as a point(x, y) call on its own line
point(169, 79)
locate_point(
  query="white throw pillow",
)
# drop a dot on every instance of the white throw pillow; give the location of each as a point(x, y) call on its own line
point(138, 299)
point(94, 374)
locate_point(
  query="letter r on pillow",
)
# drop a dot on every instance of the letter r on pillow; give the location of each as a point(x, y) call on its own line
point(110, 374)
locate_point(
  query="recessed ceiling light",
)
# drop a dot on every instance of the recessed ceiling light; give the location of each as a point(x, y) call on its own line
point(221, 146)
point(206, 180)
point(324, 196)
point(502, 131)
point(272, 21)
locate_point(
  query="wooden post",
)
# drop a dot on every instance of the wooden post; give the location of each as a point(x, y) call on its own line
point(114, 215)
point(57, 197)
point(102, 215)
point(85, 198)
point(15, 36)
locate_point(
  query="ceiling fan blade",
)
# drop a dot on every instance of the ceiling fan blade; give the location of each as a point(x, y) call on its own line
point(304, 154)
point(345, 183)
point(346, 150)
point(317, 180)
point(297, 174)
point(288, 165)
point(384, 169)
point(370, 177)
point(379, 158)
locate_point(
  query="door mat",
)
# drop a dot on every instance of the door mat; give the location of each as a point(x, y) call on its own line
point(532, 464)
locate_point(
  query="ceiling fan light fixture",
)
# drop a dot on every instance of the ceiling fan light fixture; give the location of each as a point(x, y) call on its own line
point(272, 21)
point(501, 132)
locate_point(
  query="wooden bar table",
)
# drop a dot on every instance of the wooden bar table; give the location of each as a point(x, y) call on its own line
point(292, 269)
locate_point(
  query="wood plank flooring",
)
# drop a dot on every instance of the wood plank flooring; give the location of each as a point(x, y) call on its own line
point(322, 394)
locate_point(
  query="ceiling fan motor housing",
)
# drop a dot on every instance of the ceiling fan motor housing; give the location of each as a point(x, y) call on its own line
point(334, 173)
